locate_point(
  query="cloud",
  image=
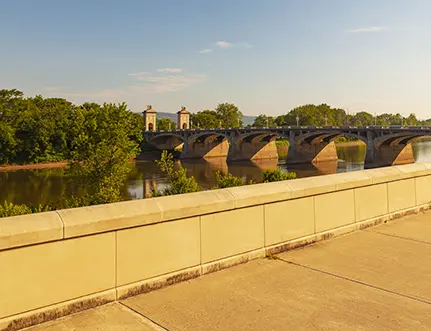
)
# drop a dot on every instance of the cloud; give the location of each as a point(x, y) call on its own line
point(205, 50)
point(223, 44)
point(162, 81)
point(170, 70)
point(170, 83)
point(368, 29)
point(138, 74)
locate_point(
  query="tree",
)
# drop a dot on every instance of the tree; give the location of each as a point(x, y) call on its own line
point(263, 121)
point(103, 143)
point(165, 124)
point(207, 119)
point(229, 115)
point(178, 182)
point(362, 119)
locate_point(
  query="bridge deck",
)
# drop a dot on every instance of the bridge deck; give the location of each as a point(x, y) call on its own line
point(374, 279)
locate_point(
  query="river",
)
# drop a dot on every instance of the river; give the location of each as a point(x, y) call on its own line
point(47, 185)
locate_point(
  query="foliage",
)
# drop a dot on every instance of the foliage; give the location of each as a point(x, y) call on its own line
point(207, 119)
point(277, 175)
point(229, 115)
point(264, 121)
point(282, 142)
point(226, 115)
point(227, 180)
point(178, 182)
point(105, 139)
point(37, 129)
point(166, 124)
point(8, 209)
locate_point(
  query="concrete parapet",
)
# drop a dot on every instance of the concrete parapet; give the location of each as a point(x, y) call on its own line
point(89, 256)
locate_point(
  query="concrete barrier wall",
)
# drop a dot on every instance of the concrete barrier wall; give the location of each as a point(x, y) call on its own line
point(56, 263)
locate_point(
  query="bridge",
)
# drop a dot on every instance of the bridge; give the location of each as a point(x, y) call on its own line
point(385, 145)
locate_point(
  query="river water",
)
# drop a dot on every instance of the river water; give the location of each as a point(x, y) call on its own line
point(47, 185)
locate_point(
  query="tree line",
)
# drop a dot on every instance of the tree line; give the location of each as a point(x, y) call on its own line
point(321, 115)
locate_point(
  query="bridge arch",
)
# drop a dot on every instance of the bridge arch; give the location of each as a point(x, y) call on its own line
point(327, 136)
point(166, 141)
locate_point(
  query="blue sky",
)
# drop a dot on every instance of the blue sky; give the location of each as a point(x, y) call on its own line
point(265, 56)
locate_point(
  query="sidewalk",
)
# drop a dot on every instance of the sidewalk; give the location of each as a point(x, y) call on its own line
point(375, 279)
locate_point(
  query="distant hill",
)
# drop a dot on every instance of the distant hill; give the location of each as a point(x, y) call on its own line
point(173, 117)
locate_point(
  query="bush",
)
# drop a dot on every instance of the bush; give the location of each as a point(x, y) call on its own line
point(8, 209)
point(178, 182)
point(227, 180)
point(277, 175)
point(282, 142)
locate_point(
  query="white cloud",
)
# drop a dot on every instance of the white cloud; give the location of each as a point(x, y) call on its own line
point(223, 44)
point(160, 84)
point(165, 80)
point(368, 29)
point(205, 50)
point(137, 74)
point(171, 70)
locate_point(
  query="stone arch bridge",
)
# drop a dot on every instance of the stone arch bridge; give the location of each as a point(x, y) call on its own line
point(385, 145)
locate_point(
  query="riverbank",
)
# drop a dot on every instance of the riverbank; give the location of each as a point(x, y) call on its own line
point(34, 166)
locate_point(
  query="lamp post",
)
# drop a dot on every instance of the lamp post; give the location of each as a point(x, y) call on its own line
point(326, 120)
point(297, 120)
point(219, 124)
point(169, 126)
point(267, 122)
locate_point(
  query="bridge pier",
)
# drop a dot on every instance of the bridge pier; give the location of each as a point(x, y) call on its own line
point(209, 147)
point(312, 152)
point(254, 150)
point(387, 155)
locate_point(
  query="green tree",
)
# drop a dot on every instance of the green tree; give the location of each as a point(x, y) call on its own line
point(362, 119)
point(165, 124)
point(229, 115)
point(103, 144)
point(178, 182)
point(206, 119)
point(263, 121)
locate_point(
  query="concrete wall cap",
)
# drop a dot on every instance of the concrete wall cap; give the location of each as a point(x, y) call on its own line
point(30, 229)
point(354, 179)
point(415, 169)
point(109, 217)
point(195, 204)
point(258, 194)
point(386, 174)
point(311, 186)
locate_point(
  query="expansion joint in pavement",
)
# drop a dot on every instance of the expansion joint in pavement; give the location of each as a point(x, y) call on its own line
point(397, 237)
point(353, 280)
point(149, 321)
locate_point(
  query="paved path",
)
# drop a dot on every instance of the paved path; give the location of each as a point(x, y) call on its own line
point(375, 279)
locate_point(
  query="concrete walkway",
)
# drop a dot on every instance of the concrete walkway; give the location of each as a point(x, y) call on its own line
point(375, 279)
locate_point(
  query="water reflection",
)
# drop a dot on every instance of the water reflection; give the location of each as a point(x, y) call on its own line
point(48, 185)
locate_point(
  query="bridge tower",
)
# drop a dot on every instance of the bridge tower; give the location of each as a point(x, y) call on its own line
point(150, 121)
point(183, 119)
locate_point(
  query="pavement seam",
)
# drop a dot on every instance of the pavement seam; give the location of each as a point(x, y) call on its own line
point(354, 281)
point(398, 237)
point(149, 320)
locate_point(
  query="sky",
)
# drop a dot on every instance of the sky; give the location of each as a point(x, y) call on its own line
point(265, 56)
